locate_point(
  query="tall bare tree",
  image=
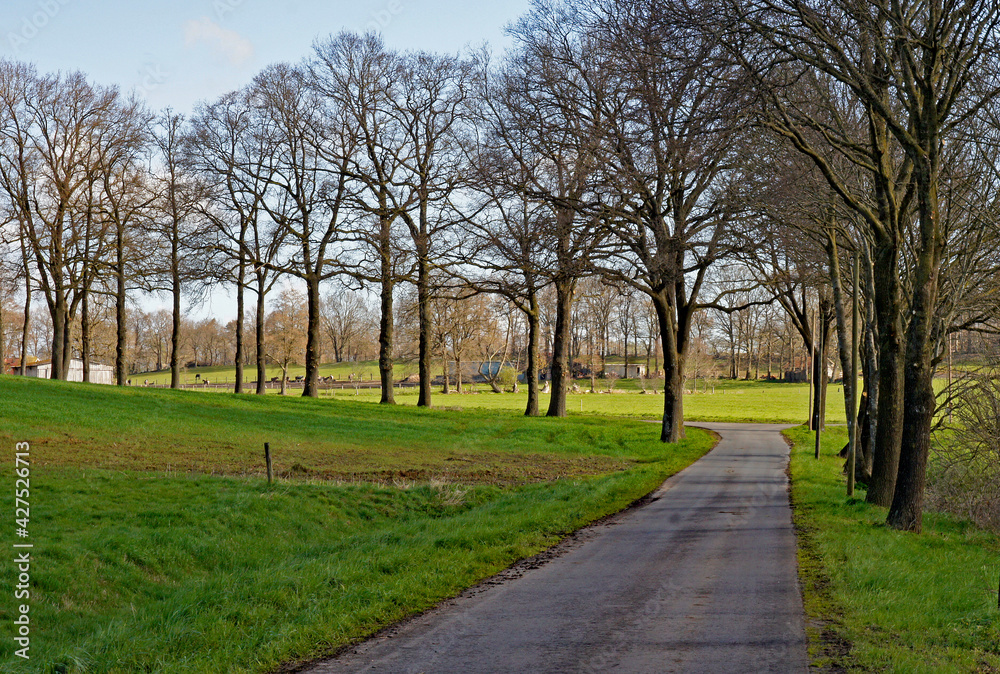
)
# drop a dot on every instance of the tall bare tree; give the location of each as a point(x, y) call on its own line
point(358, 76)
point(431, 107)
point(543, 98)
point(309, 144)
point(671, 143)
point(179, 195)
point(228, 149)
point(506, 236)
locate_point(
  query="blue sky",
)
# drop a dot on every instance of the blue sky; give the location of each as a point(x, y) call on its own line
point(176, 53)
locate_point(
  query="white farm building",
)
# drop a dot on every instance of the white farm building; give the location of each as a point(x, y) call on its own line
point(635, 370)
point(99, 373)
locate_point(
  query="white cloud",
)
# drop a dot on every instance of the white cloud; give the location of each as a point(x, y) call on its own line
point(236, 48)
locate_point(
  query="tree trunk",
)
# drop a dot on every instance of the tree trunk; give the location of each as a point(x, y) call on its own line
point(672, 429)
point(425, 325)
point(67, 356)
point(58, 312)
point(445, 371)
point(625, 373)
point(385, 337)
point(121, 331)
point(888, 426)
point(906, 510)
point(240, 311)
point(27, 323)
point(310, 387)
point(862, 463)
point(259, 341)
point(820, 375)
point(733, 365)
point(531, 375)
point(593, 365)
point(559, 367)
point(175, 331)
point(85, 336)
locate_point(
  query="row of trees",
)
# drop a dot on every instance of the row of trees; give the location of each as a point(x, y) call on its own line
point(607, 322)
point(349, 329)
point(722, 154)
point(890, 108)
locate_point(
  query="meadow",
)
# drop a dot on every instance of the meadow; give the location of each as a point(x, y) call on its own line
point(367, 370)
point(707, 399)
point(160, 546)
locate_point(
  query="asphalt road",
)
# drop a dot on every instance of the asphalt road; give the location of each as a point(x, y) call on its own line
point(700, 579)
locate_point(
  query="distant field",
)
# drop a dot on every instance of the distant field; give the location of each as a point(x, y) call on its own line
point(731, 401)
point(709, 400)
point(159, 545)
point(368, 370)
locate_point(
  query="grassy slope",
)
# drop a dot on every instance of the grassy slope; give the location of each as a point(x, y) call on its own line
point(139, 568)
point(907, 603)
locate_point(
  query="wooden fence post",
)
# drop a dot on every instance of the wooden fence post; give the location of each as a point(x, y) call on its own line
point(267, 458)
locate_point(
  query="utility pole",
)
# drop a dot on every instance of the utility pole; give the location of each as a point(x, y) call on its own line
point(818, 380)
point(810, 359)
point(852, 422)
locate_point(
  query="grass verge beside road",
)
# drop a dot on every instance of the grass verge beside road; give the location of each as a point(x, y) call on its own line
point(160, 547)
point(883, 600)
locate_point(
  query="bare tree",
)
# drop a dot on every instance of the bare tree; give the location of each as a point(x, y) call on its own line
point(179, 194)
point(542, 99)
point(671, 143)
point(506, 236)
point(228, 149)
point(286, 331)
point(359, 77)
point(124, 203)
point(51, 134)
point(308, 146)
point(430, 106)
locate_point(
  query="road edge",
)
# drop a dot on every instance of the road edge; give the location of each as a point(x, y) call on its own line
point(828, 649)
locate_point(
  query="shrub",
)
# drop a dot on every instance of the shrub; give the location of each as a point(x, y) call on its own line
point(964, 477)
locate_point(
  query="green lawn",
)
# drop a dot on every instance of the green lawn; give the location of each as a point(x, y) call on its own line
point(159, 546)
point(907, 603)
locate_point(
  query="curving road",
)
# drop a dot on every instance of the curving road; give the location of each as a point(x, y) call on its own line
point(700, 579)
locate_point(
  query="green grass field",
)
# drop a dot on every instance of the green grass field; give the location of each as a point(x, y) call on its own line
point(905, 602)
point(159, 546)
point(368, 370)
point(709, 400)
point(770, 402)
